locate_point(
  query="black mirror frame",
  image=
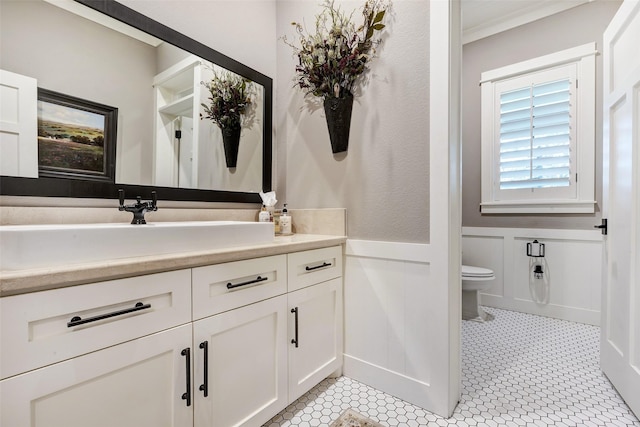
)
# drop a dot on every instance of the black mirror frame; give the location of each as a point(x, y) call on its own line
point(63, 187)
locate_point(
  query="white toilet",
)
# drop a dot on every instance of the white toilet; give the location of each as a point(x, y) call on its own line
point(475, 279)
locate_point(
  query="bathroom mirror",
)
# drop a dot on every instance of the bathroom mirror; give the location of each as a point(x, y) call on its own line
point(153, 76)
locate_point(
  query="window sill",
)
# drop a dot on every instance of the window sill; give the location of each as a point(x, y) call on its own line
point(539, 207)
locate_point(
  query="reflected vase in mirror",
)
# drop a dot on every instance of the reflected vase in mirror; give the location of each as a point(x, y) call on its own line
point(230, 106)
point(231, 142)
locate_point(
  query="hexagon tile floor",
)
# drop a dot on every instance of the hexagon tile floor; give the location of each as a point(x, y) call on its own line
point(517, 370)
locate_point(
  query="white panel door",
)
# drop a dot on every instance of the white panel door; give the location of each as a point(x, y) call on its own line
point(18, 125)
point(240, 372)
point(139, 383)
point(620, 342)
point(315, 335)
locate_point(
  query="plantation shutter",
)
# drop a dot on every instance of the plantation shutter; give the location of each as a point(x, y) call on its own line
point(536, 136)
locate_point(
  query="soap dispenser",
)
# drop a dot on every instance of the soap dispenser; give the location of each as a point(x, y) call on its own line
point(285, 221)
point(264, 215)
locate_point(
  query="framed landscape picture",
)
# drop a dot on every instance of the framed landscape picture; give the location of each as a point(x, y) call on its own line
point(76, 137)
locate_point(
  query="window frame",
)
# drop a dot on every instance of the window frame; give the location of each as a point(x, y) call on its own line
point(579, 197)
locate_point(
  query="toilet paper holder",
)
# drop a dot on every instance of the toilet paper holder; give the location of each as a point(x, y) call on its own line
point(535, 249)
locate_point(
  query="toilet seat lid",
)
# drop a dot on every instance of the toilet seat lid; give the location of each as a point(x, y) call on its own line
point(471, 271)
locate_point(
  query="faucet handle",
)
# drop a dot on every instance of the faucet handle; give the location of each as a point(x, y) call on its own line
point(154, 200)
point(121, 196)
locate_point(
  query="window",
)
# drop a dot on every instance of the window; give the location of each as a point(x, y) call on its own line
point(538, 134)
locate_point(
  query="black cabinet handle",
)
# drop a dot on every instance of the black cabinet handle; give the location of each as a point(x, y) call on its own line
point(250, 282)
point(187, 395)
point(324, 264)
point(77, 320)
point(295, 339)
point(204, 387)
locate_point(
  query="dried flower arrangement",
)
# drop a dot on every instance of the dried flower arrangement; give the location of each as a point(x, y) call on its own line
point(229, 97)
point(331, 59)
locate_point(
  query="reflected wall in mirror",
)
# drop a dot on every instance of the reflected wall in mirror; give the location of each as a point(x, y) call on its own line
point(156, 80)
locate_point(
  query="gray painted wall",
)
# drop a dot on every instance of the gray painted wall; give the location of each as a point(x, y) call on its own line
point(383, 179)
point(568, 29)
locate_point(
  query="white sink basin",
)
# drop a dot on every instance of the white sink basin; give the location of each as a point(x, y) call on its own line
point(37, 246)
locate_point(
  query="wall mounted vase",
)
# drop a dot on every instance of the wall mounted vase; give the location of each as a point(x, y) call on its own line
point(338, 113)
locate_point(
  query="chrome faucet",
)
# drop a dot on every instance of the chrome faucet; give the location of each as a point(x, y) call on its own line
point(139, 208)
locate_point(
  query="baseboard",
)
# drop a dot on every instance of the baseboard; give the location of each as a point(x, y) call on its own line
point(562, 312)
point(391, 382)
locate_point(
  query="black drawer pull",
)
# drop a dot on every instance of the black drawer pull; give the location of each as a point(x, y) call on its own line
point(77, 320)
point(324, 264)
point(250, 282)
point(204, 387)
point(187, 394)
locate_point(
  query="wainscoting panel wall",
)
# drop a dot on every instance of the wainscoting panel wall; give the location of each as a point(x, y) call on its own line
point(389, 318)
point(573, 265)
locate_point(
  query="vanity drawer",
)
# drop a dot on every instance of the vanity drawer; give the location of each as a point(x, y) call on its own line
point(222, 287)
point(41, 328)
point(314, 266)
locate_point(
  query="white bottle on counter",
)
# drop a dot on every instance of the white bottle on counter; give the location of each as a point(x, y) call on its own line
point(264, 215)
point(285, 221)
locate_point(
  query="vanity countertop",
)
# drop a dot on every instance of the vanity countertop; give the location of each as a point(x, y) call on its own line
point(16, 282)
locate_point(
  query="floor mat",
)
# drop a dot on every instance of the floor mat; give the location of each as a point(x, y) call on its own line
point(351, 418)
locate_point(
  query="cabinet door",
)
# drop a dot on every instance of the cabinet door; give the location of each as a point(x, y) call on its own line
point(315, 337)
point(246, 365)
point(139, 383)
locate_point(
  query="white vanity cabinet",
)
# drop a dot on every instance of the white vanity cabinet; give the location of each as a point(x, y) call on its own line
point(102, 354)
point(268, 347)
point(241, 347)
point(216, 346)
point(315, 324)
